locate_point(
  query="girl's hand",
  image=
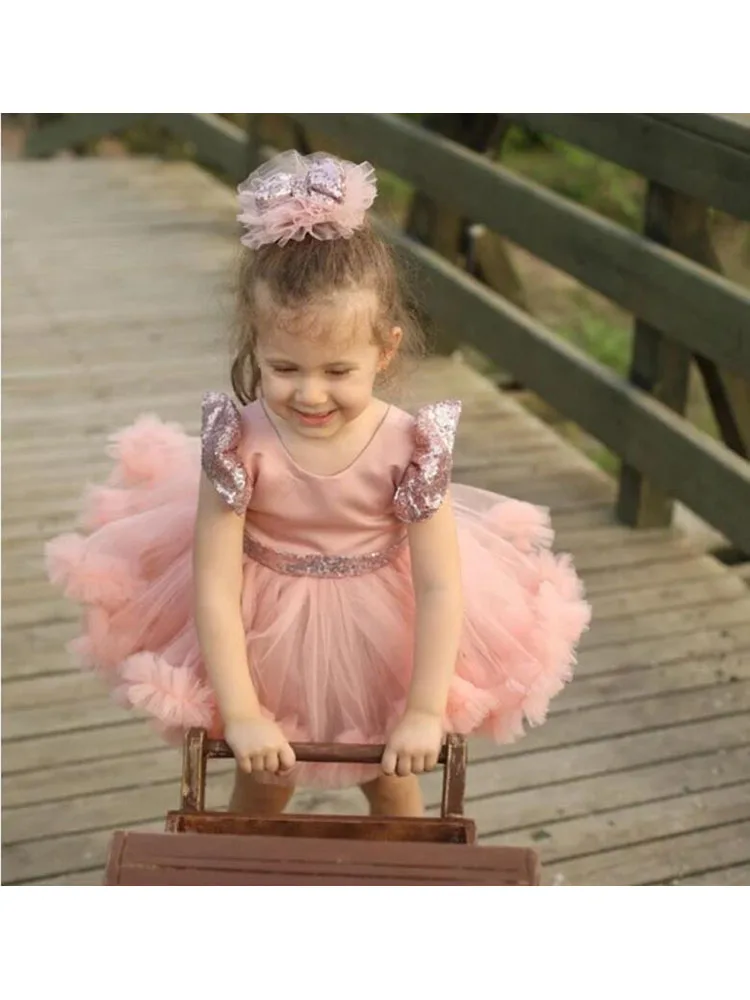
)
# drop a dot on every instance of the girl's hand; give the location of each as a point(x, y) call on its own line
point(414, 744)
point(259, 745)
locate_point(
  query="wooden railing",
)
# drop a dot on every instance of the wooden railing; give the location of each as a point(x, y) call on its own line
point(667, 278)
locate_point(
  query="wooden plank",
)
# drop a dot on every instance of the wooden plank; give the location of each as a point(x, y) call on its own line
point(89, 876)
point(606, 739)
point(597, 514)
point(586, 845)
point(691, 153)
point(145, 803)
point(621, 605)
point(559, 491)
point(128, 770)
point(533, 808)
point(22, 647)
point(717, 638)
point(602, 829)
point(71, 130)
point(657, 860)
point(79, 745)
point(51, 611)
point(670, 709)
point(63, 717)
point(216, 141)
point(736, 875)
point(617, 687)
point(685, 301)
point(731, 130)
point(47, 859)
point(30, 692)
point(632, 579)
point(494, 772)
point(139, 387)
point(681, 460)
point(667, 623)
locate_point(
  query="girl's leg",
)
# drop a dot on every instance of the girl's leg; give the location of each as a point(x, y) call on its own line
point(389, 795)
point(251, 797)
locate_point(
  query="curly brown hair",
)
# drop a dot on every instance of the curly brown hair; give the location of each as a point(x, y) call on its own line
point(310, 271)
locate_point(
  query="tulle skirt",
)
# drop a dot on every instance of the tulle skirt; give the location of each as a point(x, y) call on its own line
point(331, 659)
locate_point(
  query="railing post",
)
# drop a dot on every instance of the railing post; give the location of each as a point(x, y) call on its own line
point(254, 143)
point(445, 230)
point(659, 365)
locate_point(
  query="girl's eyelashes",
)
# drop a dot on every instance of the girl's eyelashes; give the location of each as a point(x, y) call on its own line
point(289, 370)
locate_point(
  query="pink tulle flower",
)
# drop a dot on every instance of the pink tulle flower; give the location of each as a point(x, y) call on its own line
point(172, 694)
point(292, 196)
point(146, 452)
point(90, 577)
point(523, 524)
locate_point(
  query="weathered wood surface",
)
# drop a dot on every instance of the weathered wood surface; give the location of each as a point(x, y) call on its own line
point(221, 859)
point(705, 156)
point(115, 302)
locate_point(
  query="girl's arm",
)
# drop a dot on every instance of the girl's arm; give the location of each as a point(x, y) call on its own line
point(436, 573)
point(257, 742)
point(217, 571)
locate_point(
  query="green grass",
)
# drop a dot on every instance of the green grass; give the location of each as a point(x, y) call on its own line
point(605, 187)
point(600, 339)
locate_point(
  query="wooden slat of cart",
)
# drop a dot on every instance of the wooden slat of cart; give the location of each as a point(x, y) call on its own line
point(225, 859)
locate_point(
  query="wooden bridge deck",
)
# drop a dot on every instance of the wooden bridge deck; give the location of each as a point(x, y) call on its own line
point(114, 302)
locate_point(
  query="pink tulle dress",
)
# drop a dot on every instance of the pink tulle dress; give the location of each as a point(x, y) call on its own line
point(327, 598)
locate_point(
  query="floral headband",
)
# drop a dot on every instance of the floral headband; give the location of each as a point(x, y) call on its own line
point(292, 196)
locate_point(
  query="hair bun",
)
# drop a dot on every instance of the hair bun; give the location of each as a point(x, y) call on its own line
point(293, 196)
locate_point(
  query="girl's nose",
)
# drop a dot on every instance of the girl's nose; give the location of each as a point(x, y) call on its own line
point(311, 392)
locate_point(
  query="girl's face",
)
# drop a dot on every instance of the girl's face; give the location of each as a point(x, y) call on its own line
point(318, 369)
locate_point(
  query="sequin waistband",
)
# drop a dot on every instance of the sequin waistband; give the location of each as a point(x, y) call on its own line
point(291, 564)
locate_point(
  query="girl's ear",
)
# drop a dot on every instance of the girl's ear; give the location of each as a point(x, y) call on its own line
point(389, 349)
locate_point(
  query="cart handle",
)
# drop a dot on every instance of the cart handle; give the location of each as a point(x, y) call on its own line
point(197, 748)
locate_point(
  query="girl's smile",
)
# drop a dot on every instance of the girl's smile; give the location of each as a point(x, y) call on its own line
point(315, 419)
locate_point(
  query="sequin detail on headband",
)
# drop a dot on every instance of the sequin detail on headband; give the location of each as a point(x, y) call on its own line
point(221, 434)
point(292, 196)
point(426, 480)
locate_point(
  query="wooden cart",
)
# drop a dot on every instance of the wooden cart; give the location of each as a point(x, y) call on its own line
point(201, 847)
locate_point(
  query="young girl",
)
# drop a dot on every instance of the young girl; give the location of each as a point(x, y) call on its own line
point(305, 570)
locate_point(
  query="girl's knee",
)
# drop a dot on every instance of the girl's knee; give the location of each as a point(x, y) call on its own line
point(252, 797)
point(389, 795)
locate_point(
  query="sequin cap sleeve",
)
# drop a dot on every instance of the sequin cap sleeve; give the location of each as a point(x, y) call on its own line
point(427, 478)
point(221, 434)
